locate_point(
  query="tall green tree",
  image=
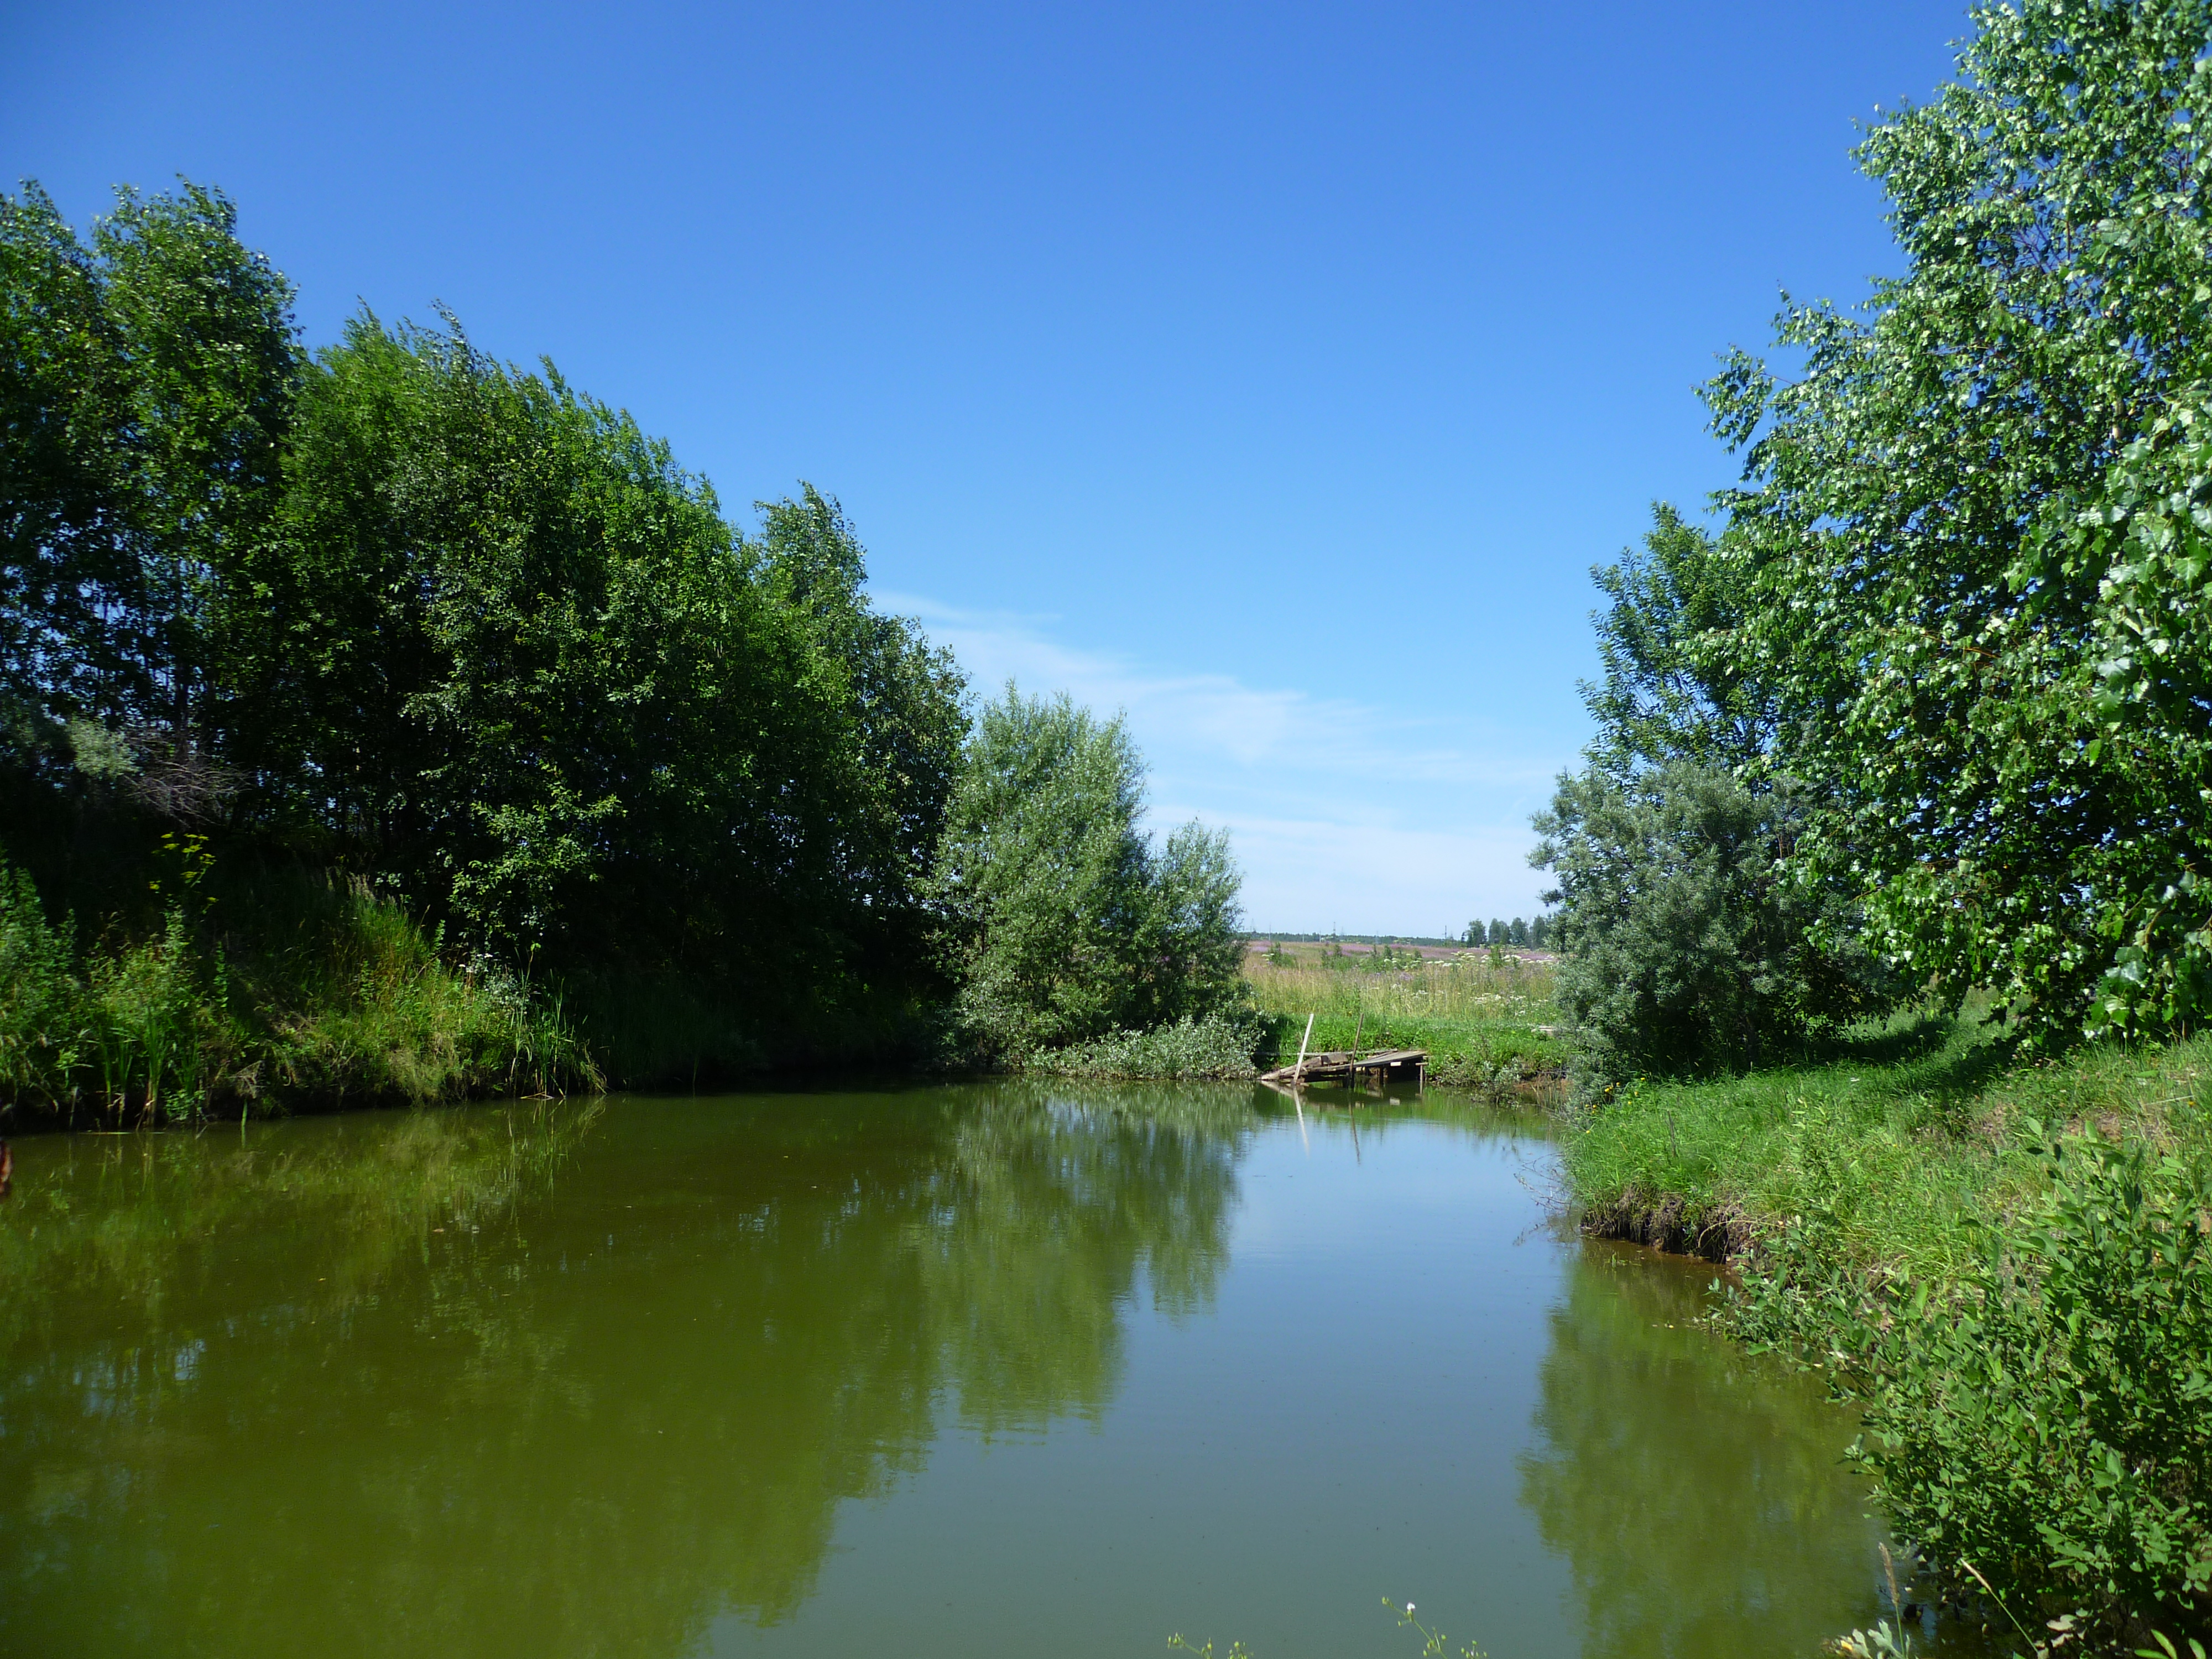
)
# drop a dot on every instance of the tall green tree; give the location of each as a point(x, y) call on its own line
point(502, 651)
point(1962, 610)
point(145, 388)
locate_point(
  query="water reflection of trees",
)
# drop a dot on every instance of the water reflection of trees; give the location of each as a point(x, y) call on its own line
point(251, 1399)
point(1689, 1530)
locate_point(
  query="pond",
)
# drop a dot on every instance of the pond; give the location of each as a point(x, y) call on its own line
point(983, 1370)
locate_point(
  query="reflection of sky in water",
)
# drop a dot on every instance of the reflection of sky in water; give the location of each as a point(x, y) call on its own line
point(940, 1372)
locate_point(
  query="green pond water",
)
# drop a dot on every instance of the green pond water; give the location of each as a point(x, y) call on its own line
point(996, 1369)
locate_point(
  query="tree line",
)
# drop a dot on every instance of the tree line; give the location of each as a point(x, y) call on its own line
point(1521, 932)
point(470, 643)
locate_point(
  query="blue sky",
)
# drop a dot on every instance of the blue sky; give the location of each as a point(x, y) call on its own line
point(1275, 372)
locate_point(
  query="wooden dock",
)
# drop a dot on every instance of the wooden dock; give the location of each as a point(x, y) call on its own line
point(1342, 1066)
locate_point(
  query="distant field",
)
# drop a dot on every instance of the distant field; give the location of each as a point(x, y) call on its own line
point(1311, 950)
point(1484, 1021)
point(1451, 942)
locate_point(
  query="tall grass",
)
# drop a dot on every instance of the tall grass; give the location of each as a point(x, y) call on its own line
point(1900, 1147)
point(282, 988)
point(1482, 1018)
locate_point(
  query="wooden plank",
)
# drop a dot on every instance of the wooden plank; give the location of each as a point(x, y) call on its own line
point(1343, 1065)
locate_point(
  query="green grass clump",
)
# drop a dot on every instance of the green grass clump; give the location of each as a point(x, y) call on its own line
point(1901, 1143)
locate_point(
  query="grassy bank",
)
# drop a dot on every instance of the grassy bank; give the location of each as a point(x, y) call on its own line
point(1485, 1019)
point(1902, 1144)
point(2006, 1266)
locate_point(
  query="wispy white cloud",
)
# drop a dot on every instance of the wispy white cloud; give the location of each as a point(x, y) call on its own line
point(1343, 813)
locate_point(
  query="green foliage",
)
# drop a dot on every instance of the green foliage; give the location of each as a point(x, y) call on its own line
point(1671, 692)
point(410, 614)
point(146, 1025)
point(337, 994)
point(2144, 675)
point(40, 1039)
point(595, 725)
point(145, 385)
point(1215, 1045)
point(2046, 1414)
point(429, 622)
point(1965, 638)
point(1067, 924)
point(1689, 940)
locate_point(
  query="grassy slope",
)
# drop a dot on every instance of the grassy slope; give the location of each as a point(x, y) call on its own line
point(1900, 1140)
point(1480, 1023)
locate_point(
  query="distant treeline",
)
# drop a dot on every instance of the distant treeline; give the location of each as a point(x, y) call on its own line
point(1522, 932)
point(307, 641)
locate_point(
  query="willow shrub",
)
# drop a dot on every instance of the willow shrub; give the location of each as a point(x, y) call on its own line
point(1066, 922)
point(1689, 942)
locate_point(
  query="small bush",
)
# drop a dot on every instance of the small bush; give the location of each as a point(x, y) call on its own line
point(1213, 1046)
point(2040, 1418)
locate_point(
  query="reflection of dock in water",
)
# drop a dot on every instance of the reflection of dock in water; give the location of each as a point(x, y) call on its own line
point(1383, 1067)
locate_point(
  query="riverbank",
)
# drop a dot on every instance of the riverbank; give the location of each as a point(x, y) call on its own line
point(1905, 1143)
point(2003, 1266)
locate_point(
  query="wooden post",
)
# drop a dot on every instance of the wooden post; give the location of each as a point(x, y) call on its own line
point(1298, 1071)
